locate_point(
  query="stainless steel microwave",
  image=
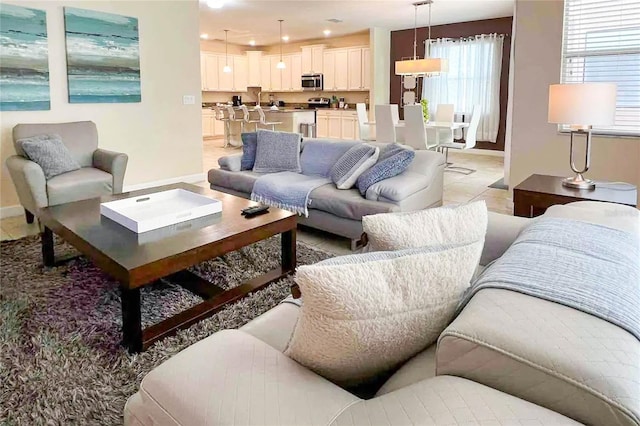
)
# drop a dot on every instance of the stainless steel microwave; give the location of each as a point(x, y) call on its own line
point(312, 82)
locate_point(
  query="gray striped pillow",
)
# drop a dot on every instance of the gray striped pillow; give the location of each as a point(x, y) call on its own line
point(352, 164)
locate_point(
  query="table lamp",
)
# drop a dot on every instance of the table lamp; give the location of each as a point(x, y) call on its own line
point(581, 106)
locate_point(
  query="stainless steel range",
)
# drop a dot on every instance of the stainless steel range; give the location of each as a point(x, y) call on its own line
point(319, 103)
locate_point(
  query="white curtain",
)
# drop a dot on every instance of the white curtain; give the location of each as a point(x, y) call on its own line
point(473, 79)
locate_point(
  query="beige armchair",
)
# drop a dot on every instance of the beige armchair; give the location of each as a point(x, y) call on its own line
point(101, 172)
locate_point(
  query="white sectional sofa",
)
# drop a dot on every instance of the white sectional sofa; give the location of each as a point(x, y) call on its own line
point(507, 359)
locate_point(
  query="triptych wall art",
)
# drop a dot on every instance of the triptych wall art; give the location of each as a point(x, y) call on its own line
point(103, 58)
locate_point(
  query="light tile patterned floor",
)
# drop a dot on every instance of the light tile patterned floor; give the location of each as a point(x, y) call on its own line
point(458, 188)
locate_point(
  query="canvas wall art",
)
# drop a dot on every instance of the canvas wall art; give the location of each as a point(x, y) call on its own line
point(103, 57)
point(24, 59)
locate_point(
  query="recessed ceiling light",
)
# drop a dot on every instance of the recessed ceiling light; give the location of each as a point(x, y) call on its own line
point(215, 4)
point(204, 36)
point(285, 38)
point(326, 32)
point(252, 42)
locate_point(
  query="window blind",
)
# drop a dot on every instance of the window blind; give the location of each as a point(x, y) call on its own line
point(601, 43)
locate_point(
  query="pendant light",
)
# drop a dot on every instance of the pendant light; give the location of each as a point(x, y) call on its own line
point(281, 65)
point(422, 67)
point(226, 68)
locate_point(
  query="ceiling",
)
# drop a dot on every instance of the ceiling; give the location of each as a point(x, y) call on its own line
point(306, 19)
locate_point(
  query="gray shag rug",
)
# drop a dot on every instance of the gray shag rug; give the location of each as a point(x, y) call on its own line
point(60, 356)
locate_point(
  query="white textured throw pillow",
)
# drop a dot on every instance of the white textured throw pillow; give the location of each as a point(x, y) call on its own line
point(365, 314)
point(443, 225)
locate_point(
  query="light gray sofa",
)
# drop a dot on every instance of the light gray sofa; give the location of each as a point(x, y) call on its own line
point(340, 211)
point(507, 359)
point(102, 172)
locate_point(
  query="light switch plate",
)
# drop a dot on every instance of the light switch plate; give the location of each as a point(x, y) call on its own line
point(188, 100)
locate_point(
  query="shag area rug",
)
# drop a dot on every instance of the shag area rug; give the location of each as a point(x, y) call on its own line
point(60, 356)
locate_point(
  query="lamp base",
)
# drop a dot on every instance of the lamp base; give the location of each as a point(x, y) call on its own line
point(579, 182)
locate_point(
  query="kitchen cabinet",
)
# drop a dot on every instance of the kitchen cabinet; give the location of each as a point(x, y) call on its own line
point(225, 79)
point(322, 125)
point(218, 127)
point(265, 73)
point(366, 68)
point(334, 127)
point(336, 69)
point(328, 70)
point(208, 123)
point(254, 76)
point(312, 59)
point(276, 74)
point(240, 77)
point(209, 71)
point(337, 124)
point(296, 72)
point(354, 69)
point(287, 83)
point(349, 127)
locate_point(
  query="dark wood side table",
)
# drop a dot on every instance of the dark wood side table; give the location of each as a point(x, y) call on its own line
point(537, 193)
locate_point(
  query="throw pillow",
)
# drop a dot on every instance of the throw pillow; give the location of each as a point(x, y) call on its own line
point(363, 315)
point(352, 164)
point(387, 167)
point(464, 223)
point(277, 152)
point(49, 153)
point(390, 149)
point(249, 147)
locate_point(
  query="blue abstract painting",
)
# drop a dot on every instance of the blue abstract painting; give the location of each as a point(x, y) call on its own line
point(103, 57)
point(24, 59)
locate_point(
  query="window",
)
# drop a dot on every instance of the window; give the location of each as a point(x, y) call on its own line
point(473, 79)
point(601, 43)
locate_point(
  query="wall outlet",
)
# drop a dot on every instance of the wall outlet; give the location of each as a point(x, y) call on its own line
point(188, 100)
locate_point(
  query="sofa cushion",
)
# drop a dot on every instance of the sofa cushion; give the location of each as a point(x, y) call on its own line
point(552, 355)
point(352, 164)
point(238, 181)
point(624, 218)
point(232, 163)
point(420, 367)
point(348, 204)
point(232, 378)
point(447, 400)
point(249, 148)
point(277, 152)
point(80, 184)
point(275, 326)
point(465, 223)
point(385, 168)
point(318, 156)
point(49, 153)
point(364, 314)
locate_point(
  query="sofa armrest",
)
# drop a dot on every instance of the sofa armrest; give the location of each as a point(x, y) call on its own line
point(230, 163)
point(426, 169)
point(502, 231)
point(233, 378)
point(114, 163)
point(29, 181)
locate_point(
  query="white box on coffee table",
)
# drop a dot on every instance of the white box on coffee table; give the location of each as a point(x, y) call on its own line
point(153, 211)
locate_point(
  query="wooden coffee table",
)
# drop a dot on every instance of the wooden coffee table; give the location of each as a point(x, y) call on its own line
point(136, 260)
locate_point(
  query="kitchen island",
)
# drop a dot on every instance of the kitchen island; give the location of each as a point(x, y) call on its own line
point(289, 118)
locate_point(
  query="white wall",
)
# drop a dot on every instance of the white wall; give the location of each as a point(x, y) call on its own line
point(536, 146)
point(162, 137)
point(380, 54)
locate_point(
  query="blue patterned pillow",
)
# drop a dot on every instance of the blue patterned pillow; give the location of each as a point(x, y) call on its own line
point(352, 164)
point(389, 150)
point(249, 146)
point(384, 169)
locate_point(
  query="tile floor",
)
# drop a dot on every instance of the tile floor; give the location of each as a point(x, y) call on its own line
point(457, 188)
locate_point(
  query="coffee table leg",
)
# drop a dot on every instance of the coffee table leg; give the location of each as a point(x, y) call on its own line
point(131, 319)
point(289, 250)
point(48, 255)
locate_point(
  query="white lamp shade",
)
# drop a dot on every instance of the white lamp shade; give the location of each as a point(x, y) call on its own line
point(582, 104)
point(421, 66)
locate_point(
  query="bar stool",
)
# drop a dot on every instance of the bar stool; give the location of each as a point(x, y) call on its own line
point(247, 116)
point(231, 114)
point(220, 117)
point(263, 119)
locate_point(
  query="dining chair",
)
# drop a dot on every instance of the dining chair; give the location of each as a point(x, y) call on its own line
point(246, 115)
point(469, 142)
point(263, 119)
point(385, 126)
point(415, 129)
point(444, 114)
point(363, 122)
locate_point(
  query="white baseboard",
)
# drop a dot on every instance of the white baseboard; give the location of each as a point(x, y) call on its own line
point(199, 177)
point(475, 151)
point(11, 211)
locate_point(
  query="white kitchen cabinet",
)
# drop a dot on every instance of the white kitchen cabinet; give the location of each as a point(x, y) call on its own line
point(276, 74)
point(287, 81)
point(322, 125)
point(218, 127)
point(335, 127)
point(265, 73)
point(337, 124)
point(254, 59)
point(208, 125)
point(296, 72)
point(307, 60)
point(366, 68)
point(240, 73)
point(329, 70)
point(349, 126)
point(341, 79)
point(225, 79)
point(317, 58)
point(355, 69)
point(312, 59)
point(209, 72)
